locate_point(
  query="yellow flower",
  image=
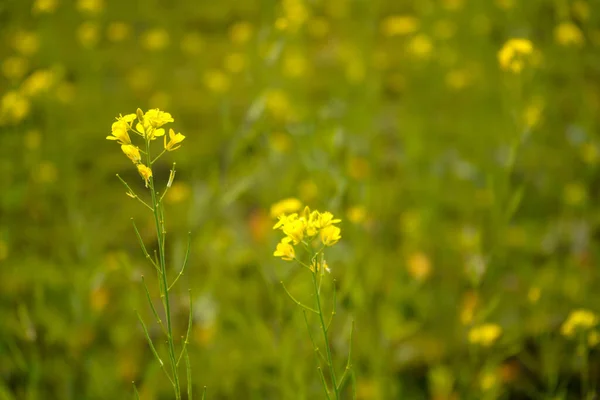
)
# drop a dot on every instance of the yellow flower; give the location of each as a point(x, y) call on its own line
point(330, 235)
point(514, 53)
point(151, 121)
point(284, 220)
point(325, 219)
point(485, 335)
point(145, 172)
point(157, 118)
point(174, 140)
point(132, 152)
point(568, 34)
point(285, 250)
point(295, 230)
point(578, 320)
point(285, 206)
point(119, 130)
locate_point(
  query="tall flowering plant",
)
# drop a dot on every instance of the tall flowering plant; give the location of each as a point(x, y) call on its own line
point(146, 128)
point(306, 238)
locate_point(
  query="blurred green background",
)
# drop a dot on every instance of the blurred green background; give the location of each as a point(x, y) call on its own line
point(467, 193)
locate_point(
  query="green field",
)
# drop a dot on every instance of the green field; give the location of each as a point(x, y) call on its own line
point(458, 142)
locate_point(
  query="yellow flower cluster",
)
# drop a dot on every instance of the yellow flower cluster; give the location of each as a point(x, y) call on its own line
point(485, 335)
point(578, 320)
point(304, 229)
point(514, 54)
point(149, 127)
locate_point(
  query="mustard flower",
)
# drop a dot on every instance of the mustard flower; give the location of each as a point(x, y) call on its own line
point(285, 250)
point(325, 219)
point(514, 53)
point(151, 121)
point(295, 230)
point(485, 335)
point(174, 140)
point(119, 133)
point(145, 172)
point(330, 235)
point(284, 220)
point(132, 152)
point(578, 320)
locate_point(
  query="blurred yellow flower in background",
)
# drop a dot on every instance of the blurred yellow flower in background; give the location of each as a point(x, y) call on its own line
point(26, 42)
point(419, 266)
point(44, 6)
point(155, 39)
point(90, 6)
point(217, 81)
point(399, 25)
point(241, 32)
point(14, 107)
point(514, 55)
point(578, 320)
point(14, 67)
point(88, 34)
point(485, 335)
point(38, 82)
point(285, 206)
point(568, 34)
point(179, 192)
point(421, 46)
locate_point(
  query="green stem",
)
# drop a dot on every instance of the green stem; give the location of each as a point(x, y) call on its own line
point(325, 337)
point(157, 211)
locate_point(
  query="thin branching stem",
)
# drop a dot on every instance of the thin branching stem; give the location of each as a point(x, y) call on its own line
point(152, 307)
point(333, 309)
point(136, 395)
point(324, 382)
point(189, 330)
point(143, 246)
point(160, 231)
point(185, 260)
point(315, 347)
point(296, 301)
point(160, 361)
point(348, 369)
point(325, 337)
point(132, 194)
